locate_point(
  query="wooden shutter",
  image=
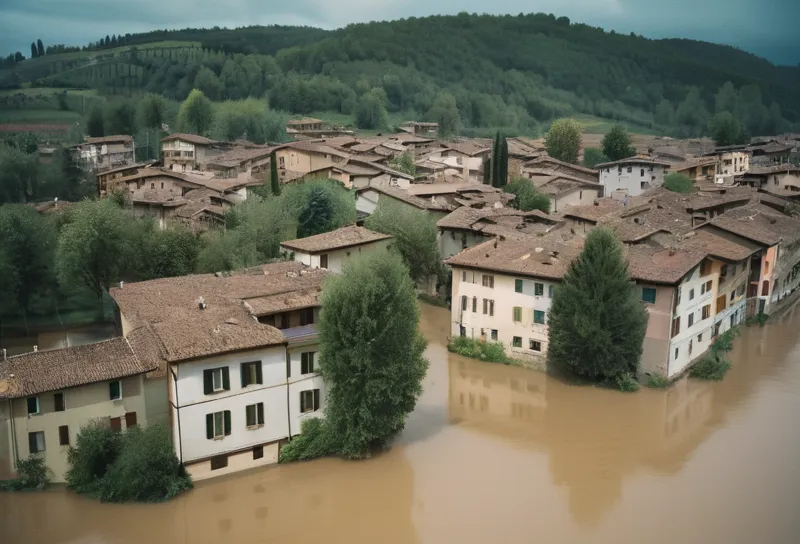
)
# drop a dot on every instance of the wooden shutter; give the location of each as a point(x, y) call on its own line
point(32, 442)
point(243, 373)
point(58, 402)
point(260, 408)
point(227, 418)
point(116, 423)
point(316, 399)
point(226, 379)
point(130, 420)
point(259, 375)
point(208, 381)
point(210, 426)
point(63, 435)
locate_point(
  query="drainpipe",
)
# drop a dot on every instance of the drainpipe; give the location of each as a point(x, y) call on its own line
point(178, 410)
point(14, 446)
point(288, 402)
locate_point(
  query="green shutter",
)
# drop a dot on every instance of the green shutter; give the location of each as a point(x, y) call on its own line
point(31, 442)
point(227, 417)
point(260, 407)
point(316, 399)
point(226, 379)
point(259, 375)
point(209, 425)
point(208, 382)
point(518, 286)
point(243, 372)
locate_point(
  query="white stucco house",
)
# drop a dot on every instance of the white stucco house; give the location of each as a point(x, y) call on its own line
point(240, 354)
point(631, 177)
point(331, 250)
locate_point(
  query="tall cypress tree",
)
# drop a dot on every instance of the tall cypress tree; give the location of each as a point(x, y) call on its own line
point(39, 48)
point(274, 182)
point(487, 170)
point(597, 321)
point(34, 50)
point(502, 178)
point(495, 156)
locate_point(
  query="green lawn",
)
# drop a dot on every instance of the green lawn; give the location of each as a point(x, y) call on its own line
point(598, 125)
point(46, 91)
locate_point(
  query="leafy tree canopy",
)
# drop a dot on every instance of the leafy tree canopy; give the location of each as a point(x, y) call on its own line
point(196, 114)
point(563, 140)
point(678, 183)
point(593, 156)
point(526, 196)
point(617, 144)
point(726, 129)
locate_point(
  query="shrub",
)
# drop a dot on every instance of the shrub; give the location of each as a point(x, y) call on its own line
point(96, 448)
point(710, 367)
point(678, 183)
point(724, 342)
point(657, 381)
point(146, 469)
point(32, 475)
point(491, 352)
point(314, 441)
point(627, 383)
point(432, 300)
point(759, 319)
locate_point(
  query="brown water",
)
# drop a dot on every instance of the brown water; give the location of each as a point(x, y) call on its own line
point(500, 454)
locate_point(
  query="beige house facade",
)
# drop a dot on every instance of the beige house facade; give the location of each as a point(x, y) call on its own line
point(331, 250)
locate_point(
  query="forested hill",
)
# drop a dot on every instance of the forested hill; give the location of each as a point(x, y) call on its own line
point(497, 71)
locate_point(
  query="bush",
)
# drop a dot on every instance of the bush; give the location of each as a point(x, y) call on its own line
point(710, 367)
point(724, 342)
point(96, 448)
point(627, 383)
point(657, 381)
point(432, 300)
point(759, 319)
point(32, 475)
point(146, 469)
point(490, 352)
point(314, 441)
point(527, 197)
point(678, 183)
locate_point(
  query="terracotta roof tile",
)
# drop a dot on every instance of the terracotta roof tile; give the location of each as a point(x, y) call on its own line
point(338, 239)
point(191, 138)
point(661, 265)
point(43, 371)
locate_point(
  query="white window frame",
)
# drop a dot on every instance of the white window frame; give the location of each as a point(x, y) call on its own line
point(214, 373)
point(257, 424)
point(218, 433)
point(309, 406)
point(120, 389)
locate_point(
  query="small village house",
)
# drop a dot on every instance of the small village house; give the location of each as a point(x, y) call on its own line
point(105, 152)
point(332, 250)
point(185, 151)
point(418, 128)
point(548, 166)
point(46, 397)
point(631, 177)
point(731, 160)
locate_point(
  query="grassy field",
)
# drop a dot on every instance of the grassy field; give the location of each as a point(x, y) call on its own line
point(46, 91)
point(38, 116)
point(598, 125)
point(106, 52)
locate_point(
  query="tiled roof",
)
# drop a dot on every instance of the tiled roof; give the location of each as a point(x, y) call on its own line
point(338, 239)
point(238, 155)
point(555, 164)
point(469, 147)
point(430, 189)
point(659, 265)
point(593, 212)
point(170, 308)
point(191, 138)
point(315, 146)
point(634, 160)
point(110, 139)
point(43, 371)
point(716, 246)
point(753, 224)
point(404, 196)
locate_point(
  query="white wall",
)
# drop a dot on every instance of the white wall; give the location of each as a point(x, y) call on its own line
point(337, 259)
point(612, 179)
point(733, 163)
point(453, 242)
point(687, 334)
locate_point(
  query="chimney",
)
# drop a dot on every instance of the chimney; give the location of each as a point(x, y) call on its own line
point(5, 354)
point(35, 349)
point(121, 284)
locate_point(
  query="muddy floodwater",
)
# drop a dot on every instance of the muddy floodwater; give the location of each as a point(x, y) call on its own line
point(495, 454)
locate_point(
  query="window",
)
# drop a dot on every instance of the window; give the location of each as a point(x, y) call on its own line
point(488, 281)
point(538, 317)
point(218, 462)
point(115, 390)
point(494, 335)
point(307, 362)
point(36, 442)
point(218, 425)
point(766, 267)
point(474, 305)
point(535, 345)
point(517, 286)
point(516, 342)
point(733, 295)
point(58, 402)
point(323, 261)
point(251, 373)
point(700, 337)
point(705, 268)
point(463, 303)
point(705, 288)
point(517, 314)
point(690, 347)
point(649, 295)
point(130, 420)
point(676, 353)
point(676, 326)
point(306, 317)
point(258, 452)
point(464, 276)
point(765, 289)
point(630, 169)
point(309, 401)
point(485, 306)
point(63, 435)
point(115, 423)
point(538, 289)
point(216, 379)
point(254, 414)
point(152, 185)
point(690, 320)
point(550, 290)
point(641, 174)
point(33, 406)
point(491, 307)
point(706, 311)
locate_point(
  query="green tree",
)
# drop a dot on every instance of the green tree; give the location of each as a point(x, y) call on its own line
point(39, 48)
point(726, 129)
point(373, 358)
point(317, 215)
point(444, 111)
point(120, 117)
point(692, 114)
point(274, 179)
point(414, 234)
point(151, 110)
point(404, 162)
point(371, 109)
point(526, 196)
point(664, 113)
point(96, 448)
point(563, 140)
point(617, 144)
point(275, 127)
point(196, 114)
point(726, 99)
point(597, 321)
point(498, 164)
point(95, 124)
point(19, 175)
point(165, 253)
point(678, 183)
point(208, 83)
point(95, 247)
point(593, 156)
point(246, 119)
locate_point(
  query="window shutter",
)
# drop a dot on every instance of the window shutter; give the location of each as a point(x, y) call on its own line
point(302, 402)
point(130, 420)
point(226, 379)
point(227, 417)
point(209, 425)
point(32, 442)
point(208, 382)
point(243, 373)
point(316, 399)
point(259, 375)
point(260, 407)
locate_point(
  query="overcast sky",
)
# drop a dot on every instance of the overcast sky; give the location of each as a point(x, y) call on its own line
point(766, 27)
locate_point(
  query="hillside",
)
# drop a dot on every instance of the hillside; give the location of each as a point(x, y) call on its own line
point(515, 72)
